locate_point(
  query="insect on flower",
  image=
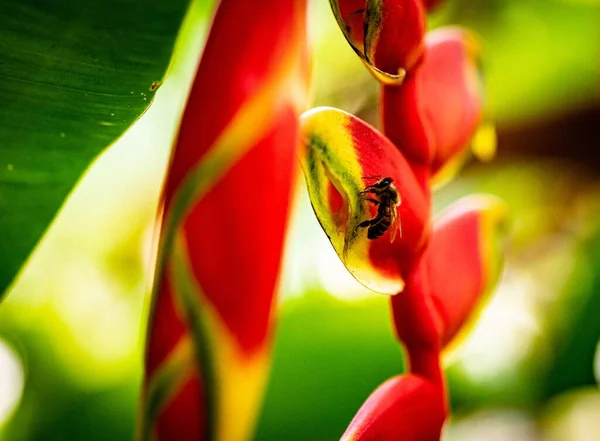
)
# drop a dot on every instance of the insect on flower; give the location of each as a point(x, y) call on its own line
point(386, 198)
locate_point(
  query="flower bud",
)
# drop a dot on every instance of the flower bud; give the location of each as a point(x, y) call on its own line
point(438, 109)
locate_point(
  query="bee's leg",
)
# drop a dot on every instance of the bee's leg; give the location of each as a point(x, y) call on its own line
point(363, 224)
point(369, 223)
point(369, 189)
point(374, 201)
point(376, 220)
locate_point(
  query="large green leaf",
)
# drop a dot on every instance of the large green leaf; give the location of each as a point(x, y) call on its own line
point(74, 75)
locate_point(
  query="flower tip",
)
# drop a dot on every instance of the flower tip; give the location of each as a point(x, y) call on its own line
point(385, 78)
point(406, 407)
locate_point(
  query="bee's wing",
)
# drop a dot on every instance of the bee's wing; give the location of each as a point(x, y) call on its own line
point(395, 225)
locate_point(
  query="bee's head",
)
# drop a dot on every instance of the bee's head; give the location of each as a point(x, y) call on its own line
point(383, 183)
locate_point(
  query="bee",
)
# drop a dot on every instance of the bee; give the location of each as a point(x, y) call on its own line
point(385, 196)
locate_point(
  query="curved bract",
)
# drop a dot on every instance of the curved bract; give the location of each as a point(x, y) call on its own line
point(372, 28)
point(434, 115)
point(226, 208)
point(341, 155)
point(405, 407)
point(464, 259)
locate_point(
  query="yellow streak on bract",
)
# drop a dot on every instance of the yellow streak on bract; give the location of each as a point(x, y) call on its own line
point(285, 85)
point(179, 363)
point(328, 125)
point(386, 78)
point(238, 378)
point(337, 161)
point(167, 380)
point(240, 382)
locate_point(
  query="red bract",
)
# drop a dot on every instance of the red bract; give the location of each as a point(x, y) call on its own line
point(406, 407)
point(442, 274)
point(394, 34)
point(433, 116)
point(386, 34)
point(463, 260)
point(340, 157)
point(226, 207)
point(351, 17)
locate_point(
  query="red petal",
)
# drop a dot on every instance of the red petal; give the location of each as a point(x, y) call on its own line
point(464, 258)
point(244, 45)
point(386, 34)
point(394, 34)
point(235, 235)
point(227, 198)
point(406, 407)
point(350, 14)
point(435, 113)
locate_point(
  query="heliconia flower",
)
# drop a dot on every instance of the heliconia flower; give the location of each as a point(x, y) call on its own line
point(226, 207)
point(386, 34)
point(464, 258)
point(436, 112)
point(406, 407)
point(342, 156)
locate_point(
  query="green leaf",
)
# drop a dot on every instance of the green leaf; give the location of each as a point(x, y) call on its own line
point(74, 75)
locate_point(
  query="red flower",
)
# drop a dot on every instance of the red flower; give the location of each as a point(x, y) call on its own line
point(358, 179)
point(441, 273)
point(226, 207)
point(386, 34)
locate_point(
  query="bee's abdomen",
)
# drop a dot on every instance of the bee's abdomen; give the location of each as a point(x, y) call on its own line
point(377, 230)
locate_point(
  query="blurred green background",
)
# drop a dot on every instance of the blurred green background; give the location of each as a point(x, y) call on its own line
point(71, 328)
